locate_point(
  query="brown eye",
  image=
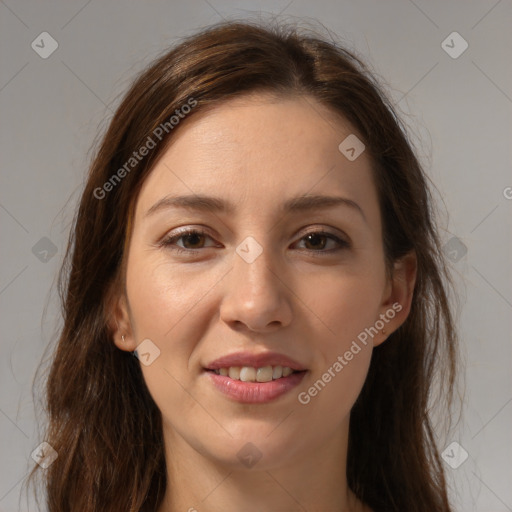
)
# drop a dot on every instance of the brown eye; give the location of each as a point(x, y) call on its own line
point(192, 239)
point(315, 241)
point(319, 240)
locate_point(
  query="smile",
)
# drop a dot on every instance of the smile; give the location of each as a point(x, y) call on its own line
point(255, 392)
point(247, 377)
point(251, 374)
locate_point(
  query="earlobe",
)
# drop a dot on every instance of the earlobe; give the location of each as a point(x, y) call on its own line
point(399, 294)
point(120, 325)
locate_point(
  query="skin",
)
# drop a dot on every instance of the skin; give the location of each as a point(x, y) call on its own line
point(258, 151)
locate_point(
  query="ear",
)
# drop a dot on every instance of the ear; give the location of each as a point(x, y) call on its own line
point(119, 323)
point(397, 297)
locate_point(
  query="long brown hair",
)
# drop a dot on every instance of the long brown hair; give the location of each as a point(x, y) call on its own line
point(103, 422)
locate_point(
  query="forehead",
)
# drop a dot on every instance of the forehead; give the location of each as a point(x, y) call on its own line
point(256, 151)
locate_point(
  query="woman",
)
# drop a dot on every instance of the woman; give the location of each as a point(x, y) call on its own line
point(255, 301)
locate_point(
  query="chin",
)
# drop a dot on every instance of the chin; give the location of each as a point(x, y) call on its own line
point(253, 447)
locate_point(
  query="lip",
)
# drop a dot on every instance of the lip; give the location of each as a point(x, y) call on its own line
point(255, 361)
point(255, 392)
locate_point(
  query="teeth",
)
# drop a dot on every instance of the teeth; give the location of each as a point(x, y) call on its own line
point(247, 374)
point(234, 372)
point(278, 372)
point(287, 371)
point(264, 374)
point(250, 374)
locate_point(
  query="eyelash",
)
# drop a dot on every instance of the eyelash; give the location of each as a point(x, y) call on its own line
point(169, 242)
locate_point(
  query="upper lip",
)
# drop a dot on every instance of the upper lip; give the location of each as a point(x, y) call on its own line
point(254, 360)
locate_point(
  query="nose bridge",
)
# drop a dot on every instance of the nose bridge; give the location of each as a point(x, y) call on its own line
point(254, 266)
point(255, 295)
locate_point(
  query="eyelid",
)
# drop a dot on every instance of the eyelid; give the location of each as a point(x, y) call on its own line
point(320, 230)
point(180, 232)
point(168, 240)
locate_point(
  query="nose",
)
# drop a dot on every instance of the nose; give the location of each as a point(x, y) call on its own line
point(256, 297)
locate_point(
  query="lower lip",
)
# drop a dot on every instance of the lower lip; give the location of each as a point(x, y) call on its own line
point(255, 392)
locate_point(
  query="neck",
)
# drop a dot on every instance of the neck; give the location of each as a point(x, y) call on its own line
point(313, 480)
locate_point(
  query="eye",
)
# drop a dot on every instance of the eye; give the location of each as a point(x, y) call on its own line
point(191, 237)
point(316, 241)
point(194, 239)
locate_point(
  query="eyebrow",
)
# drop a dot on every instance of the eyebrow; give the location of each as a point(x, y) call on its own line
point(300, 204)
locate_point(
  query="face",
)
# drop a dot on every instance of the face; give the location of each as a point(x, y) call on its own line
point(258, 278)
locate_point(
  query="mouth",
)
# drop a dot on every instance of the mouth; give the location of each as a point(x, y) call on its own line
point(249, 378)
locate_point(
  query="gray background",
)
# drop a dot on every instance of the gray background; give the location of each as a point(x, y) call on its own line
point(458, 108)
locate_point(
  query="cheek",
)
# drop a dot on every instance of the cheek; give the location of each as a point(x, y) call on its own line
point(171, 307)
point(163, 296)
point(330, 393)
point(344, 304)
point(340, 307)
point(168, 308)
